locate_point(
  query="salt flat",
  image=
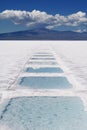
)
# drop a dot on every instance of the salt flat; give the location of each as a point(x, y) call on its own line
point(17, 56)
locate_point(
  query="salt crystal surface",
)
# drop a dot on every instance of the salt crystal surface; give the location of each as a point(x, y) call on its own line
point(44, 113)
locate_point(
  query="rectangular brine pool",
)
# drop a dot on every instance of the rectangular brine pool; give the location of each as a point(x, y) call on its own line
point(43, 55)
point(44, 70)
point(43, 62)
point(44, 113)
point(35, 82)
point(42, 58)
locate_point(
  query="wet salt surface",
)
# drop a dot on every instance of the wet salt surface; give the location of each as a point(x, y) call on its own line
point(45, 70)
point(45, 82)
point(44, 113)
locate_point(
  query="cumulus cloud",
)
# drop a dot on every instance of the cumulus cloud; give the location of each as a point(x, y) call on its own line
point(77, 18)
point(27, 18)
point(38, 18)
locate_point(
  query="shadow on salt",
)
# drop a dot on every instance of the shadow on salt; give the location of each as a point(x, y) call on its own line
point(44, 113)
point(45, 82)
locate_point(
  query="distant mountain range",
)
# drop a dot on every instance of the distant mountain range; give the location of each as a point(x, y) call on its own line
point(43, 34)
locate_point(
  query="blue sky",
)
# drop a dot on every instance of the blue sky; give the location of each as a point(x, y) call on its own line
point(62, 7)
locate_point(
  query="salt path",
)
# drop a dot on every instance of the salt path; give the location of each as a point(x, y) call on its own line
point(43, 97)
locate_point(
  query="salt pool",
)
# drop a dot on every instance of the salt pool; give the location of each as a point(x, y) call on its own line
point(42, 58)
point(43, 62)
point(45, 82)
point(44, 55)
point(44, 113)
point(45, 70)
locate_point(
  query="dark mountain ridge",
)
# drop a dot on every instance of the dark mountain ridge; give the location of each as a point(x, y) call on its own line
point(43, 34)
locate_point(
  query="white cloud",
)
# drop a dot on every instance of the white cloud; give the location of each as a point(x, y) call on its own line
point(77, 18)
point(38, 18)
point(80, 30)
point(26, 17)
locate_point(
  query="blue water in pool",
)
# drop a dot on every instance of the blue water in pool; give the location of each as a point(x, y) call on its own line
point(43, 63)
point(45, 113)
point(43, 58)
point(45, 82)
point(43, 55)
point(45, 70)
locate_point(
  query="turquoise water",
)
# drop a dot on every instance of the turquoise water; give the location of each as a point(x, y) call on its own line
point(45, 113)
point(45, 70)
point(45, 82)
